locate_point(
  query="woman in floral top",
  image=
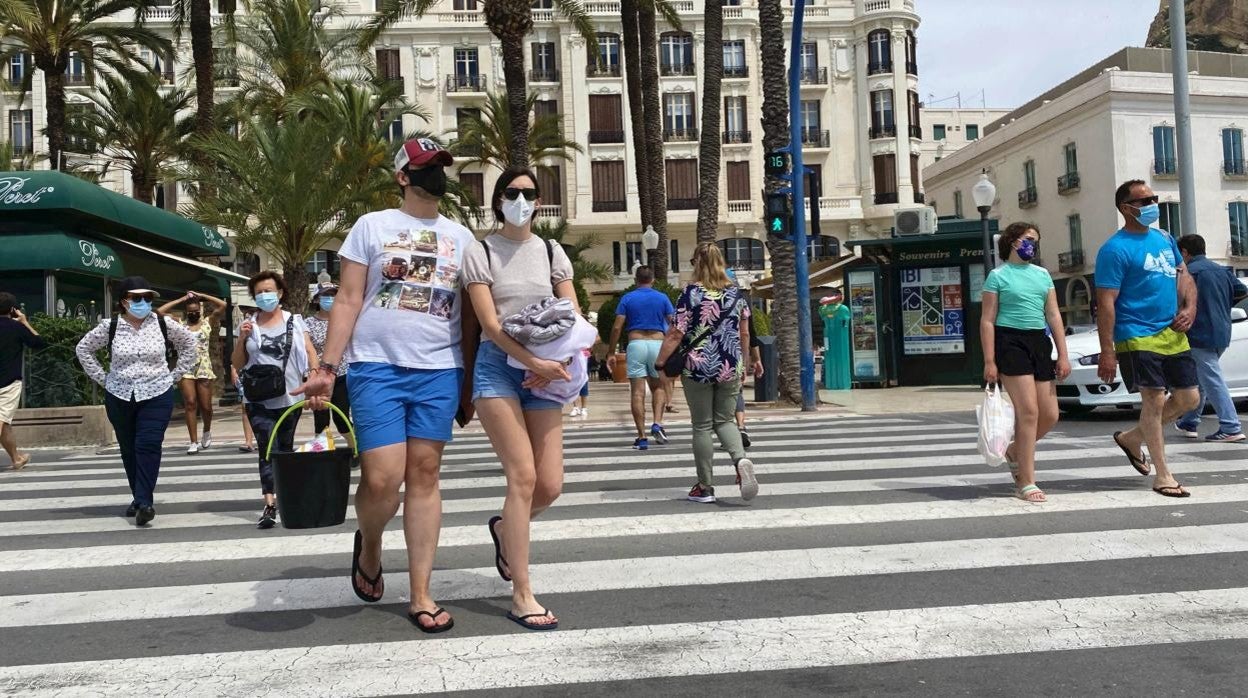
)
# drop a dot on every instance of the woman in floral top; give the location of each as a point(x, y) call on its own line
point(712, 318)
point(318, 328)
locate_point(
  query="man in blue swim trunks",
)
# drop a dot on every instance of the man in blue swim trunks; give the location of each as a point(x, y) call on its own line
point(644, 313)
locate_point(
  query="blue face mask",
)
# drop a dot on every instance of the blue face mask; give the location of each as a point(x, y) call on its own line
point(1026, 250)
point(1149, 214)
point(140, 309)
point(267, 301)
point(326, 302)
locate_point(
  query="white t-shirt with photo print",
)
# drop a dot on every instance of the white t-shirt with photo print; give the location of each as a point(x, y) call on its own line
point(411, 313)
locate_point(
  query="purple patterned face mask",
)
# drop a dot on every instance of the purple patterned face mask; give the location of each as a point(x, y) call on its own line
point(1026, 250)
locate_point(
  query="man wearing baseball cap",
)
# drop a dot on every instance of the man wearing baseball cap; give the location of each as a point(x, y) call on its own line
point(406, 369)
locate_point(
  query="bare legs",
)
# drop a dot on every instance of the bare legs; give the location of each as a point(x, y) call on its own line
point(1035, 414)
point(203, 390)
point(1156, 411)
point(637, 402)
point(249, 437)
point(8, 440)
point(190, 407)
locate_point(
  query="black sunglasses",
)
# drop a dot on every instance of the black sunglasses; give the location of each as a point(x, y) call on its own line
point(142, 297)
point(510, 193)
point(1144, 201)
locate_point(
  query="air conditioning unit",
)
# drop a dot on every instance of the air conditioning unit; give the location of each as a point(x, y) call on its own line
point(914, 221)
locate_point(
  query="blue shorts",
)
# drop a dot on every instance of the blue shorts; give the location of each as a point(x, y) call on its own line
point(642, 355)
point(391, 404)
point(493, 377)
point(585, 389)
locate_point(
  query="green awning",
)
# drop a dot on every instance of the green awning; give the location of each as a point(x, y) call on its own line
point(174, 272)
point(59, 250)
point(30, 196)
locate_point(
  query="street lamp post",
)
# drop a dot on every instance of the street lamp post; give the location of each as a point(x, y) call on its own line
point(650, 241)
point(985, 193)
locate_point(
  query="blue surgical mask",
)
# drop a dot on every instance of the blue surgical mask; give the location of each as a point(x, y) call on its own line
point(1026, 250)
point(326, 302)
point(140, 309)
point(1149, 214)
point(267, 301)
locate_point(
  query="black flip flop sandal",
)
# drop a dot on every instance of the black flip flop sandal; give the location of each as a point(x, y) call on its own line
point(431, 629)
point(356, 571)
point(524, 621)
point(1172, 491)
point(499, 560)
point(1137, 462)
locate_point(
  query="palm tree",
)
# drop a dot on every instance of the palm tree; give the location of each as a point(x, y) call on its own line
point(653, 121)
point(776, 136)
point(51, 29)
point(10, 157)
point(198, 14)
point(583, 269)
point(134, 125)
point(708, 149)
point(636, 110)
point(489, 139)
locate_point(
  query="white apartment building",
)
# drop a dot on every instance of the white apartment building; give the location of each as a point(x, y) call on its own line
point(1057, 160)
point(859, 111)
point(946, 131)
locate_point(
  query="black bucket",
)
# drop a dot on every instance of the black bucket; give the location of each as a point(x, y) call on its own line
point(312, 487)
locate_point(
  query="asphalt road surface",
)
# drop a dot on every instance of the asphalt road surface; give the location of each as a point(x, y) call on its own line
point(882, 557)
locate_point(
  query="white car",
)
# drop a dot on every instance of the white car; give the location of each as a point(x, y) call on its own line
point(1083, 392)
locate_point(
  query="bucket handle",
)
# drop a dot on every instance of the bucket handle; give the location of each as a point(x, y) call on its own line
point(268, 451)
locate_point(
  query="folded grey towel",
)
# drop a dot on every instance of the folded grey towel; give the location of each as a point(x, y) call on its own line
point(541, 322)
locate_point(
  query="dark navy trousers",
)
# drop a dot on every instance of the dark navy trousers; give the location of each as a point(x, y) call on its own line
point(140, 428)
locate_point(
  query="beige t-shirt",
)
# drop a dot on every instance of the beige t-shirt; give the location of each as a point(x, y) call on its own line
point(518, 273)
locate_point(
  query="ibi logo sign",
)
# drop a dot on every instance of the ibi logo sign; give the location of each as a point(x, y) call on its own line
point(91, 257)
point(13, 192)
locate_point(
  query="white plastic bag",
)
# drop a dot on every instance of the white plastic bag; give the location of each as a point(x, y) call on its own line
point(996, 426)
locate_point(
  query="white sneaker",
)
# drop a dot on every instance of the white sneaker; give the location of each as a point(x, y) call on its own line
point(205, 442)
point(1189, 433)
point(576, 412)
point(192, 449)
point(584, 411)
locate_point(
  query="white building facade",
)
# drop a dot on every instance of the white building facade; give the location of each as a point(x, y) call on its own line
point(1057, 161)
point(946, 131)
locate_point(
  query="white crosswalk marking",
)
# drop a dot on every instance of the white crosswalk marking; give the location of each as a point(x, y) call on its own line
point(637, 575)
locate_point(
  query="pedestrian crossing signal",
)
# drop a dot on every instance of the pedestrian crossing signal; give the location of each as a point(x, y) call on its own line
point(779, 219)
point(776, 163)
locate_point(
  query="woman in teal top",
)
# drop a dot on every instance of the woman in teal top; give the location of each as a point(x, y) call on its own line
point(1020, 315)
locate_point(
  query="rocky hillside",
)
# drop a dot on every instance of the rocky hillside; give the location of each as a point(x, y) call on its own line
point(1212, 25)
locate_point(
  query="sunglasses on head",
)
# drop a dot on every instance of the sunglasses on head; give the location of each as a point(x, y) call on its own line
point(1144, 201)
point(510, 193)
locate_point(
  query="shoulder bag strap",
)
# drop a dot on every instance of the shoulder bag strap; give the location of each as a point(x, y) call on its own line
point(290, 345)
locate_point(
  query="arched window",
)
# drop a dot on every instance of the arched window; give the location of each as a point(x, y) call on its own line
point(879, 52)
point(743, 254)
point(912, 53)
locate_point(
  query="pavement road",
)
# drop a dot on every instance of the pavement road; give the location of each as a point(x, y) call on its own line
point(882, 557)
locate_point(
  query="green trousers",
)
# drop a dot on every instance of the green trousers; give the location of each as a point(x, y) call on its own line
point(712, 408)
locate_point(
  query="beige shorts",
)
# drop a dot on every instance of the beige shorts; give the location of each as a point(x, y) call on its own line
point(10, 398)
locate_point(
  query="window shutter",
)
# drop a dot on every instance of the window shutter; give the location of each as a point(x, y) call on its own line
point(674, 256)
point(615, 256)
point(739, 181)
point(550, 183)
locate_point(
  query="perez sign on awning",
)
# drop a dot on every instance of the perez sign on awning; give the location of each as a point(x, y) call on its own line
point(59, 250)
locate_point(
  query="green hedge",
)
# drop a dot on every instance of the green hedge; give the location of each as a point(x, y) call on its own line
point(53, 377)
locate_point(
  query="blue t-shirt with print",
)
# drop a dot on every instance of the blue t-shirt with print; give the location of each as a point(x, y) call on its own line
point(1142, 267)
point(645, 309)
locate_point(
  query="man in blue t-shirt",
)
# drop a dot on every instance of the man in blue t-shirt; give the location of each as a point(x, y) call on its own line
point(1146, 302)
point(645, 314)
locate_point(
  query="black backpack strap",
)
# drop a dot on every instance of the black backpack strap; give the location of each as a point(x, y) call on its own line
point(112, 332)
point(170, 353)
point(550, 255)
point(489, 261)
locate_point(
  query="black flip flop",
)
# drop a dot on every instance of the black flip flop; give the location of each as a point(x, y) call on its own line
point(524, 621)
point(431, 629)
point(499, 560)
point(356, 571)
point(1137, 462)
point(1172, 491)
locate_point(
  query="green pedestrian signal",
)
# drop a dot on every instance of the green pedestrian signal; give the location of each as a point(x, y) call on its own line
point(779, 219)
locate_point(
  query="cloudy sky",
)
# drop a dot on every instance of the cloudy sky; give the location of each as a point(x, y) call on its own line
point(1016, 49)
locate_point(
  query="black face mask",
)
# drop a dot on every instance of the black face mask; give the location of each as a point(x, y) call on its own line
point(431, 179)
point(192, 318)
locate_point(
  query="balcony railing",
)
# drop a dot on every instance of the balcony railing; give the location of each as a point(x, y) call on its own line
point(814, 76)
point(543, 76)
point(1028, 197)
point(594, 70)
point(1068, 183)
point(916, 131)
point(736, 71)
point(677, 69)
point(393, 78)
point(1239, 245)
point(1070, 261)
point(912, 68)
point(682, 204)
point(882, 198)
point(465, 83)
point(20, 149)
point(1235, 168)
point(603, 7)
point(609, 206)
point(599, 136)
point(882, 132)
point(1166, 167)
point(879, 67)
point(740, 206)
point(677, 135)
point(77, 79)
point(736, 137)
point(550, 211)
point(816, 138)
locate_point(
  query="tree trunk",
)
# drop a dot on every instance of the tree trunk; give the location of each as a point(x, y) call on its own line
point(205, 68)
point(297, 279)
point(636, 111)
point(143, 184)
point(517, 98)
point(709, 149)
point(776, 135)
point(653, 117)
point(54, 97)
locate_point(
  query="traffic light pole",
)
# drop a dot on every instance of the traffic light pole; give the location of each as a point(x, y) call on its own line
point(801, 263)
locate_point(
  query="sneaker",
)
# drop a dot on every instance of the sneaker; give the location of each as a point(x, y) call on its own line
point(1189, 433)
point(659, 433)
point(192, 449)
point(746, 480)
point(745, 438)
point(268, 517)
point(206, 442)
point(641, 444)
point(1224, 437)
point(702, 495)
point(584, 411)
point(576, 412)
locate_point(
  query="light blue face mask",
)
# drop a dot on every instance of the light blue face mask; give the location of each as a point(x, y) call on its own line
point(1149, 214)
point(140, 309)
point(326, 302)
point(267, 301)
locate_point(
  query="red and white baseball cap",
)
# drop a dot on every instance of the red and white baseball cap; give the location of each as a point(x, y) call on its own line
point(419, 152)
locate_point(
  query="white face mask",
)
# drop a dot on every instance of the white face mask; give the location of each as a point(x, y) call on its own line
point(518, 212)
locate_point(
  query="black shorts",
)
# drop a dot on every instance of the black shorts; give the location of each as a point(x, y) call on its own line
point(1024, 353)
point(1145, 369)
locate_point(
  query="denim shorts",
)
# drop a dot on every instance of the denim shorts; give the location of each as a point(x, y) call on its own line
point(391, 404)
point(493, 377)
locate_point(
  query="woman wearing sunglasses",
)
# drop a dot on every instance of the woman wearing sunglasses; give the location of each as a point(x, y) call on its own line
point(508, 270)
point(138, 384)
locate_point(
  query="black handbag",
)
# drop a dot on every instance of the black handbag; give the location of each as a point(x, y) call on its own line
point(675, 363)
point(265, 381)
